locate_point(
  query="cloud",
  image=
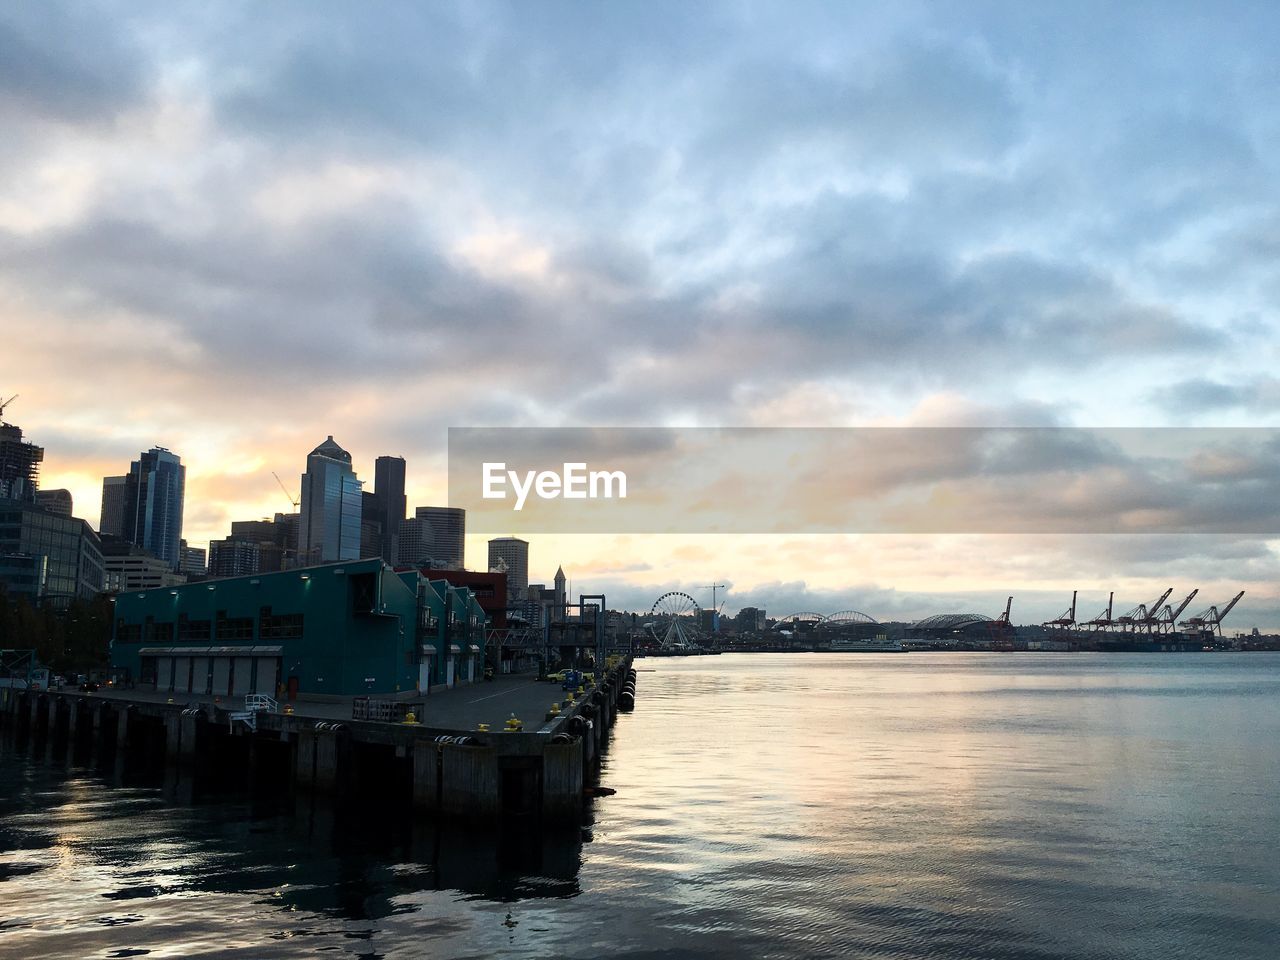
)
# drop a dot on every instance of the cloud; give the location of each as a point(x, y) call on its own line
point(235, 231)
point(67, 63)
point(1201, 396)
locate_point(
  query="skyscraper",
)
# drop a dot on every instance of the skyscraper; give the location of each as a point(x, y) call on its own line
point(511, 554)
point(329, 526)
point(153, 499)
point(111, 519)
point(414, 542)
point(448, 534)
point(388, 487)
point(19, 465)
point(194, 561)
point(372, 534)
point(561, 596)
point(56, 501)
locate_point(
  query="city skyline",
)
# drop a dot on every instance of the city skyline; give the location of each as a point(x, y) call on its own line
point(744, 216)
point(888, 603)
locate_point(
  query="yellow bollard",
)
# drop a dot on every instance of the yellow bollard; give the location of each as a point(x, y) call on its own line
point(288, 709)
point(513, 724)
point(410, 717)
point(482, 727)
point(555, 709)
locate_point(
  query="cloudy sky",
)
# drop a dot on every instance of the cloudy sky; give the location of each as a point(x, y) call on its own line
point(234, 229)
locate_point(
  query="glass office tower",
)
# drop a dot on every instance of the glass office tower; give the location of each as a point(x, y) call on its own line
point(329, 526)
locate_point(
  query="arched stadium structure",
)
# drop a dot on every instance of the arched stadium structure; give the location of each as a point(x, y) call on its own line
point(960, 630)
point(847, 617)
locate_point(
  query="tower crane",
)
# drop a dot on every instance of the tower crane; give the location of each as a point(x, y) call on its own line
point(285, 490)
point(713, 587)
point(5, 403)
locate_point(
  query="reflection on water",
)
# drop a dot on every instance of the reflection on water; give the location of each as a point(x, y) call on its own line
point(900, 806)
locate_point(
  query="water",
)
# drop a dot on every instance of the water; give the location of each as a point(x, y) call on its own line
point(772, 806)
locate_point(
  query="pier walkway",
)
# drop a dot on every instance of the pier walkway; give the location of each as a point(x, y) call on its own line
point(460, 708)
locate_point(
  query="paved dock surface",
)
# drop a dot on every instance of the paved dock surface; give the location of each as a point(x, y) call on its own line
point(462, 708)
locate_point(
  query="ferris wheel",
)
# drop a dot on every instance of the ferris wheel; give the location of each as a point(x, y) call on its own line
point(674, 621)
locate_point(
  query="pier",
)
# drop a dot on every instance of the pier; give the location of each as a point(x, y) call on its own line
point(541, 745)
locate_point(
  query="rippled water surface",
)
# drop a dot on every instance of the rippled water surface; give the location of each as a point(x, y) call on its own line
point(858, 805)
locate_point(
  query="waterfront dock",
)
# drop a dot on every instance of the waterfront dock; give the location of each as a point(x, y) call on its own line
point(442, 763)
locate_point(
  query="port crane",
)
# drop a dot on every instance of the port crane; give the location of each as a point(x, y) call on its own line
point(1140, 616)
point(1168, 618)
point(1103, 620)
point(1210, 620)
point(1068, 619)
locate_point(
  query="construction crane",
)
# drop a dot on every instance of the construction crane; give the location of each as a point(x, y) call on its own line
point(713, 587)
point(1210, 620)
point(1103, 619)
point(5, 403)
point(285, 490)
point(1068, 619)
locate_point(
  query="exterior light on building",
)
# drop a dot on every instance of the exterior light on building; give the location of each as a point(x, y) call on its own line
point(306, 576)
point(338, 571)
point(211, 586)
point(173, 593)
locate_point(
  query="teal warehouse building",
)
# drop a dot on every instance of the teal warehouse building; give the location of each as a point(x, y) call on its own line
point(341, 629)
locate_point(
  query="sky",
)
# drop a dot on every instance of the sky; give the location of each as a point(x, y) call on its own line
point(235, 229)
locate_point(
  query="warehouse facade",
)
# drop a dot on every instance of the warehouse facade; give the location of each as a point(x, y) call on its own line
point(340, 629)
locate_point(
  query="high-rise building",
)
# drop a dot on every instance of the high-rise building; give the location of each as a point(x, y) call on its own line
point(192, 561)
point(561, 596)
point(512, 555)
point(448, 534)
point(55, 501)
point(388, 488)
point(153, 500)
point(415, 545)
point(19, 465)
point(47, 557)
point(129, 567)
point(329, 527)
point(111, 519)
point(287, 525)
point(234, 558)
point(372, 533)
point(750, 620)
point(276, 541)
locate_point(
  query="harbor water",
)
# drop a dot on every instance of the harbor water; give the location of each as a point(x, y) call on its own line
point(1046, 806)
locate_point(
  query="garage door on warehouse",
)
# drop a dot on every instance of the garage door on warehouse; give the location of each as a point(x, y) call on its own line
point(222, 671)
point(266, 675)
point(221, 676)
point(241, 676)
